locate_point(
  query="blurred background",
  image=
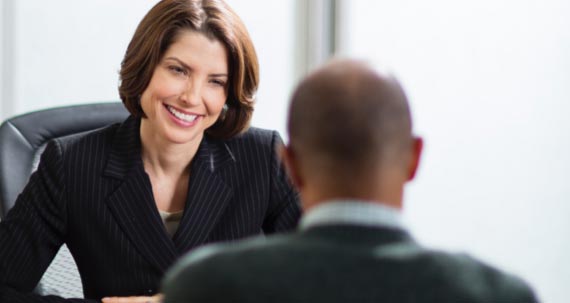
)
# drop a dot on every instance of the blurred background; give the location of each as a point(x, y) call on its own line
point(488, 80)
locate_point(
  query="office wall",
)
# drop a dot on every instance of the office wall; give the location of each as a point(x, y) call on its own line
point(1, 55)
point(489, 82)
point(271, 25)
point(2, 37)
point(69, 52)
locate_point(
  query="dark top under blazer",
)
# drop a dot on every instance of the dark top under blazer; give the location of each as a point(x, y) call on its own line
point(92, 193)
point(338, 263)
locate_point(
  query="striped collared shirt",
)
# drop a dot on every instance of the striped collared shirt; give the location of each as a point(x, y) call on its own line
point(355, 212)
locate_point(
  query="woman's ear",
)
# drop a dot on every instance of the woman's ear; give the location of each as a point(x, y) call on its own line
point(290, 161)
point(417, 147)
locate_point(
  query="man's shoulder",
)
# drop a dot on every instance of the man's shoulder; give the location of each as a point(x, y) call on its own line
point(456, 275)
point(229, 257)
point(401, 269)
point(468, 277)
point(257, 245)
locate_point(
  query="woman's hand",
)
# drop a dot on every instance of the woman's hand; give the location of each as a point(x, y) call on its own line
point(154, 299)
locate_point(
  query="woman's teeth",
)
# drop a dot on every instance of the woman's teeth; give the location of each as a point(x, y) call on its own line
point(181, 116)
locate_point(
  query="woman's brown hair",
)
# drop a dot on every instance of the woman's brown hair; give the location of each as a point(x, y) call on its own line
point(213, 18)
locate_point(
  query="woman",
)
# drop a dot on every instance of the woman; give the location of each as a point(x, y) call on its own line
point(183, 170)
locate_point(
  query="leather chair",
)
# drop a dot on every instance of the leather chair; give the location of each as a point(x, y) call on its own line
point(22, 140)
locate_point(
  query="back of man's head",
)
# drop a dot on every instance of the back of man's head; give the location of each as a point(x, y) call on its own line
point(350, 129)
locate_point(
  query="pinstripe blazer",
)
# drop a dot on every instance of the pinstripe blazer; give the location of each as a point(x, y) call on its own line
point(91, 192)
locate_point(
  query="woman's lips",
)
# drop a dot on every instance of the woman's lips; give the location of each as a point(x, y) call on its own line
point(182, 118)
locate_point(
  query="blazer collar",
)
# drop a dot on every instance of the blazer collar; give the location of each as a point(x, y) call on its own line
point(125, 151)
point(134, 208)
point(208, 194)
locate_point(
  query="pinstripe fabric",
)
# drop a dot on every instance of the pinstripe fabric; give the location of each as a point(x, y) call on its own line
point(92, 193)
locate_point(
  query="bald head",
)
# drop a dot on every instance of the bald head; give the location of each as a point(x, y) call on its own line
point(347, 119)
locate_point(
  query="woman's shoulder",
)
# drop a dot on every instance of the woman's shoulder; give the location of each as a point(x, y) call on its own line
point(88, 141)
point(255, 142)
point(255, 135)
point(75, 150)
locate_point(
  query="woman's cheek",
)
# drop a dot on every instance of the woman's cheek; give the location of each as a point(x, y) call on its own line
point(171, 88)
point(216, 99)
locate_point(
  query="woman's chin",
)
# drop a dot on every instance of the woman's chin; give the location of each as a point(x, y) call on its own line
point(181, 137)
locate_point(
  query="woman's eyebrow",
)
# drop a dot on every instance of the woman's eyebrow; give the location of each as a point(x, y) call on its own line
point(179, 62)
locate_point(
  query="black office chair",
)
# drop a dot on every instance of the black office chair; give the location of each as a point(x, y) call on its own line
point(22, 140)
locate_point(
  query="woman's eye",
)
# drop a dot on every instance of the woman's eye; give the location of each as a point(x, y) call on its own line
point(177, 69)
point(218, 82)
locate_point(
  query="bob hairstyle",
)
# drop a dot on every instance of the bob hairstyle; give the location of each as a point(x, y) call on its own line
point(159, 29)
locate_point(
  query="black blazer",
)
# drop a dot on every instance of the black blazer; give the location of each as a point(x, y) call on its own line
point(92, 193)
point(338, 263)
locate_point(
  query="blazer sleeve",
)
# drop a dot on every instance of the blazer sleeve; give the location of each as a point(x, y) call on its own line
point(33, 231)
point(285, 210)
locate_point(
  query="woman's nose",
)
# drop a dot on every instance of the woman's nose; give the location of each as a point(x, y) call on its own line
point(192, 93)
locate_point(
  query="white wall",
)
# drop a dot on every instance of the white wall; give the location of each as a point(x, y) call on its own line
point(273, 35)
point(1, 56)
point(489, 83)
point(69, 52)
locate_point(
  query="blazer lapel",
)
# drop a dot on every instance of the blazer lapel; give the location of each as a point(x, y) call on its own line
point(132, 203)
point(208, 195)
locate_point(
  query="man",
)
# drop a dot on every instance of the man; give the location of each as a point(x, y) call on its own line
point(351, 151)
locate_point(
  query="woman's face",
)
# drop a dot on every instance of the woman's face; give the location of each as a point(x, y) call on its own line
point(187, 90)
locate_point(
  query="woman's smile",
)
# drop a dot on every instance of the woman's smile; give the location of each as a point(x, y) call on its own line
point(182, 118)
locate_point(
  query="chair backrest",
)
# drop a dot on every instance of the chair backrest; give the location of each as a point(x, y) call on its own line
point(22, 140)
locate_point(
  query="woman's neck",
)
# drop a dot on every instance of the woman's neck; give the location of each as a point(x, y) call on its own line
point(163, 158)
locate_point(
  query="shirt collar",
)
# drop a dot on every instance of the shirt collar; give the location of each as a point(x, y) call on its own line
point(355, 212)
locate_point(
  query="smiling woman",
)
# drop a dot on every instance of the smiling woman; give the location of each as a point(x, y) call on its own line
point(186, 93)
point(184, 98)
point(222, 27)
point(183, 170)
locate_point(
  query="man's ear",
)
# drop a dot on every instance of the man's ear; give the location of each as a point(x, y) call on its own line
point(417, 147)
point(291, 164)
